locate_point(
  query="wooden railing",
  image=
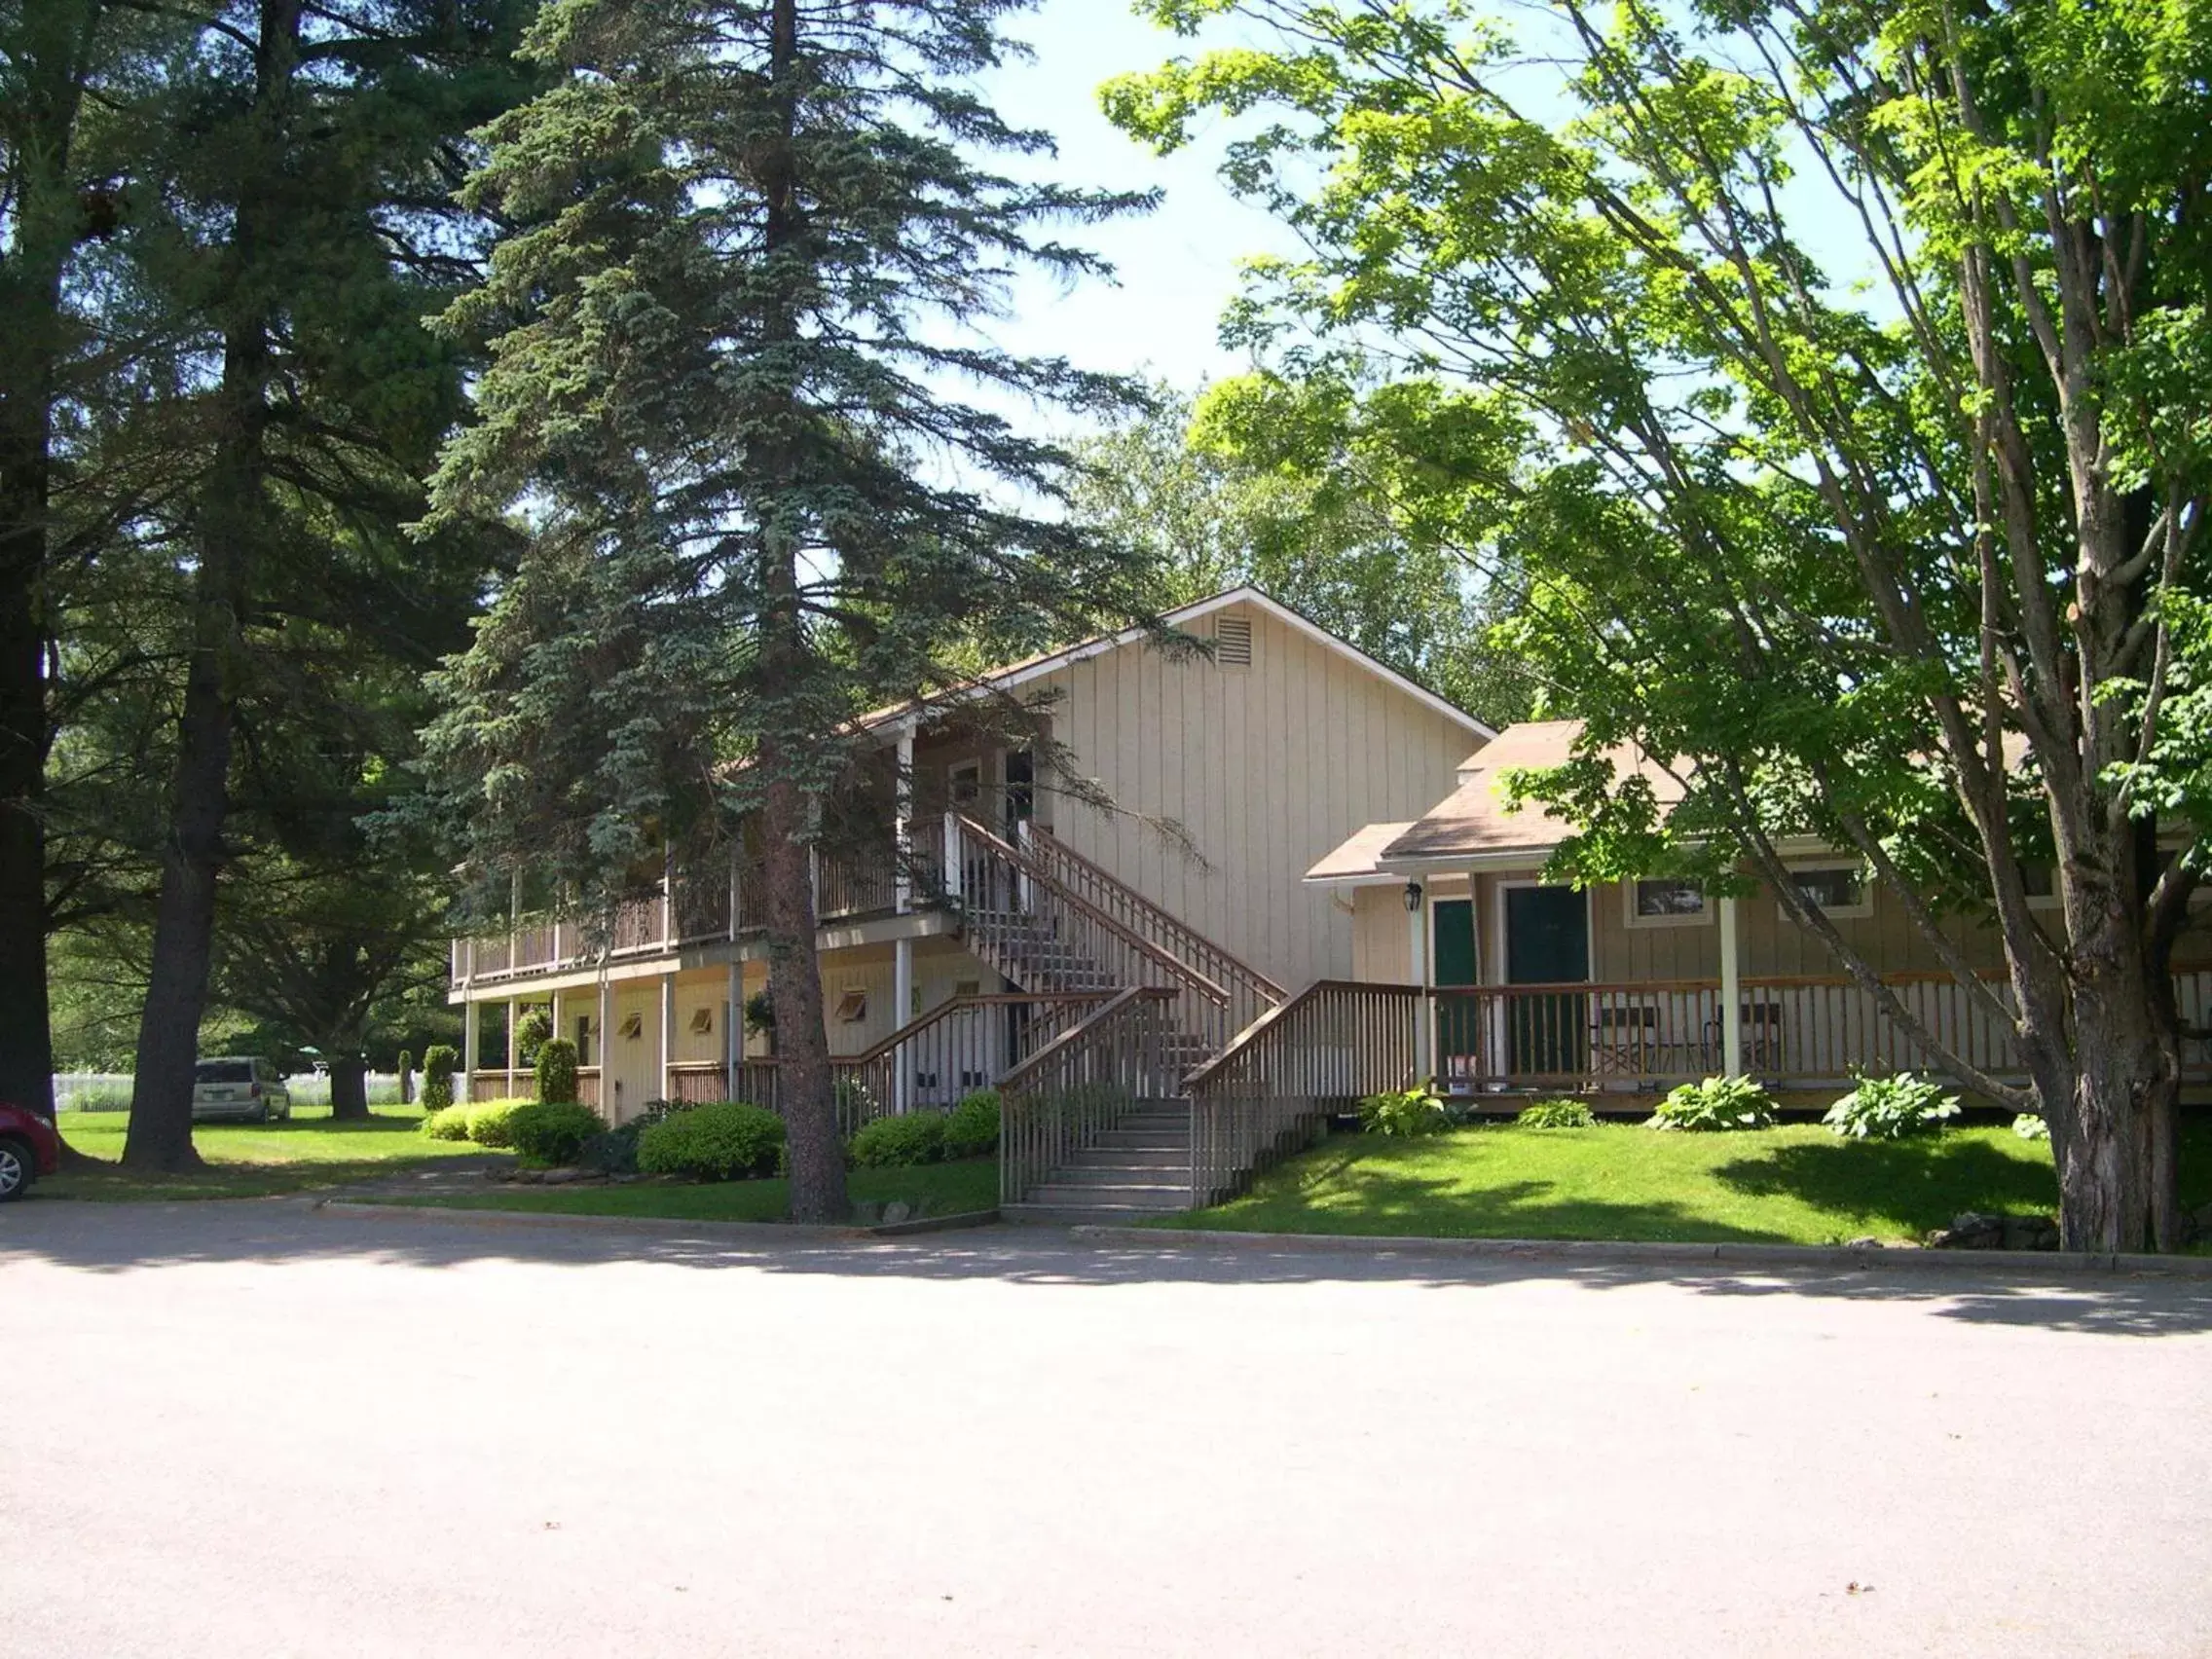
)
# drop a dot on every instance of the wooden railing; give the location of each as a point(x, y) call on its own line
point(1251, 993)
point(1296, 1065)
point(959, 1046)
point(1016, 916)
point(1082, 1083)
point(587, 1087)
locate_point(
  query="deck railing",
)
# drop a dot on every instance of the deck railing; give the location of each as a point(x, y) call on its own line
point(1082, 1083)
point(1319, 1053)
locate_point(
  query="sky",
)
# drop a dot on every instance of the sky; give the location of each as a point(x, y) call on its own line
point(1176, 266)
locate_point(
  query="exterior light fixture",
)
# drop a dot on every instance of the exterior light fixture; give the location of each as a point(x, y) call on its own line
point(1413, 897)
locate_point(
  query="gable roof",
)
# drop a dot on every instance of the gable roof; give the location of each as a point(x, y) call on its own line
point(1018, 674)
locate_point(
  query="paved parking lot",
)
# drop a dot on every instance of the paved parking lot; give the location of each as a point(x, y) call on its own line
point(250, 1429)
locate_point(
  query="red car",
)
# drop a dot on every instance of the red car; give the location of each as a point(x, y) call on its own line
point(28, 1149)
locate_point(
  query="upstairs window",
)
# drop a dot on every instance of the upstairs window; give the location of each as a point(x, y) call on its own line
point(1839, 890)
point(1659, 901)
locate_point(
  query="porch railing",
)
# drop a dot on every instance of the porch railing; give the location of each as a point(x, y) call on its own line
point(1082, 1083)
point(1318, 1054)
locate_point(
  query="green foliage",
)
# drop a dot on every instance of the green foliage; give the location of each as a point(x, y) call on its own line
point(1409, 1112)
point(614, 1151)
point(918, 1137)
point(1890, 1108)
point(438, 1062)
point(556, 1071)
point(446, 1123)
point(552, 1132)
point(1556, 1115)
point(492, 1123)
point(2029, 1125)
point(761, 1015)
point(534, 1028)
point(971, 1129)
point(1718, 1103)
point(719, 1142)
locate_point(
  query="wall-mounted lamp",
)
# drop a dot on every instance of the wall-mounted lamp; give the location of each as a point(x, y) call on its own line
point(1413, 897)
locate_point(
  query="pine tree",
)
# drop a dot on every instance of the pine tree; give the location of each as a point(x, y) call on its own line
point(731, 380)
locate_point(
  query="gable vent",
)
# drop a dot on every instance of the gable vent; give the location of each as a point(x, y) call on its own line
point(1232, 642)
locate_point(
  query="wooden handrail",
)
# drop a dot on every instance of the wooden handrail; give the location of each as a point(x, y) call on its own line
point(1251, 1034)
point(1167, 918)
point(1121, 931)
point(1013, 1081)
point(960, 1005)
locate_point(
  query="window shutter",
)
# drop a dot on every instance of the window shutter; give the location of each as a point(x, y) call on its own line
point(1232, 642)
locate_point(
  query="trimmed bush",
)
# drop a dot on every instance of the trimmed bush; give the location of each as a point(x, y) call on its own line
point(439, 1062)
point(1404, 1113)
point(1556, 1115)
point(1717, 1103)
point(2029, 1125)
point(489, 1124)
point(718, 1142)
point(534, 1028)
point(972, 1127)
point(556, 1072)
point(552, 1132)
point(446, 1123)
point(1891, 1108)
point(885, 1142)
point(614, 1151)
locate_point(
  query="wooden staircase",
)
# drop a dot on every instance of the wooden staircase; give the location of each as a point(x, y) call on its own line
point(1053, 923)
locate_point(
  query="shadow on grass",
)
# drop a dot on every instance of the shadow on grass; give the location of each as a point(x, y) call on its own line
point(1915, 1185)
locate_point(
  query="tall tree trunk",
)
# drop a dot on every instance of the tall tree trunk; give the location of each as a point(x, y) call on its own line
point(58, 42)
point(813, 1146)
point(348, 1086)
point(231, 512)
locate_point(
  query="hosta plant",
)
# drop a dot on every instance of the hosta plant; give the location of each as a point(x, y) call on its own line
point(1716, 1103)
point(1891, 1108)
point(1416, 1111)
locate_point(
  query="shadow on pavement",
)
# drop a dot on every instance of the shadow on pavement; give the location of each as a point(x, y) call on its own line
point(115, 1237)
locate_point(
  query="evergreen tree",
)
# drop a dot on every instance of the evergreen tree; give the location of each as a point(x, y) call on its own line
point(729, 381)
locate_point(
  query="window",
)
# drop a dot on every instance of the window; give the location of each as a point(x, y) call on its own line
point(965, 783)
point(1664, 902)
point(1839, 890)
point(967, 987)
point(702, 1022)
point(852, 1007)
point(1232, 642)
point(2041, 882)
point(634, 1027)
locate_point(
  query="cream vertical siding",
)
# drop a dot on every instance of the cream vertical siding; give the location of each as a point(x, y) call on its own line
point(1380, 952)
point(1259, 770)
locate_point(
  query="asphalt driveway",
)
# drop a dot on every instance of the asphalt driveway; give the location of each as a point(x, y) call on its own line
point(250, 1429)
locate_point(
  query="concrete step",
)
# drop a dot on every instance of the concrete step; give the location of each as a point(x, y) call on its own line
point(1136, 1201)
point(1169, 1169)
point(1145, 1140)
point(1078, 1214)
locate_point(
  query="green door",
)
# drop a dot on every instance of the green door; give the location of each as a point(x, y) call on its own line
point(1453, 920)
point(1547, 942)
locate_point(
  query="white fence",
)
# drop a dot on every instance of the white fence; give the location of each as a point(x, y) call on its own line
point(110, 1091)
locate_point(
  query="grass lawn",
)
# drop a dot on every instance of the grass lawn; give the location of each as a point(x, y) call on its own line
point(255, 1159)
point(934, 1189)
point(1797, 1184)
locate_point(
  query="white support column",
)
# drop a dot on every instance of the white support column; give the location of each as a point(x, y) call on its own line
point(555, 1014)
point(668, 899)
point(901, 835)
point(514, 1046)
point(471, 1033)
point(667, 1036)
point(1731, 995)
point(902, 1011)
point(736, 898)
point(610, 1108)
point(952, 870)
point(733, 1027)
point(1416, 935)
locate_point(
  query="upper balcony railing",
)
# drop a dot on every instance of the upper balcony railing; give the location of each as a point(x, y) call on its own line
point(695, 906)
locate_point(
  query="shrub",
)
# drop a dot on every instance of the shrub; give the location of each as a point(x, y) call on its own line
point(1556, 1115)
point(438, 1062)
point(1716, 1103)
point(552, 1132)
point(856, 1103)
point(1416, 1111)
point(1891, 1108)
point(446, 1123)
point(2029, 1125)
point(489, 1124)
point(972, 1129)
point(556, 1072)
point(614, 1151)
point(719, 1142)
point(916, 1138)
point(533, 1028)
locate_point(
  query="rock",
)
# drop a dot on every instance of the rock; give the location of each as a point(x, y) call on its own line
point(1969, 1230)
point(620, 1180)
point(1868, 1242)
point(529, 1178)
point(2030, 1232)
point(561, 1177)
point(896, 1211)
